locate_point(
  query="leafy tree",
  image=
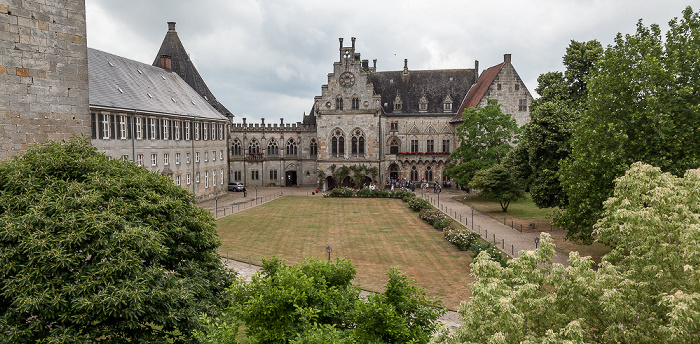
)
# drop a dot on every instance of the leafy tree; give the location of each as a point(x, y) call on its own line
point(580, 60)
point(99, 250)
point(485, 137)
point(643, 105)
point(316, 302)
point(497, 182)
point(646, 290)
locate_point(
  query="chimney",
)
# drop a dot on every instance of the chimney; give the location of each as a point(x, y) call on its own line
point(171, 26)
point(281, 122)
point(244, 124)
point(166, 63)
point(405, 66)
point(375, 63)
point(476, 67)
point(353, 43)
point(506, 58)
point(365, 64)
point(263, 122)
point(341, 48)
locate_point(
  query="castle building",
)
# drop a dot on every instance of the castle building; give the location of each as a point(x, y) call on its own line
point(395, 125)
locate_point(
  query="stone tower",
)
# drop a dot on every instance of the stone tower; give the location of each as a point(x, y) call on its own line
point(43, 73)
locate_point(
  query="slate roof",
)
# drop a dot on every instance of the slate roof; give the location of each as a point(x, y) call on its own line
point(183, 66)
point(478, 91)
point(117, 82)
point(435, 85)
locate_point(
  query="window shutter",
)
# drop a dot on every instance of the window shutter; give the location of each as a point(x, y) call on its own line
point(94, 126)
point(170, 129)
point(182, 124)
point(158, 128)
point(128, 127)
point(114, 127)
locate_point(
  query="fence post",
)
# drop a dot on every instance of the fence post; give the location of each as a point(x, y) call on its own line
point(503, 243)
point(521, 228)
point(494, 238)
point(512, 250)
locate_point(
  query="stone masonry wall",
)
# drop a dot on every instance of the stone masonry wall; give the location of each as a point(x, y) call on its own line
point(43, 73)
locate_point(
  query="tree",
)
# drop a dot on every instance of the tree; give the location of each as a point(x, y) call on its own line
point(646, 290)
point(316, 302)
point(100, 250)
point(643, 105)
point(485, 137)
point(497, 182)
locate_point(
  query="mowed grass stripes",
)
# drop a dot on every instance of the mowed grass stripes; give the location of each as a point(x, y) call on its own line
point(374, 234)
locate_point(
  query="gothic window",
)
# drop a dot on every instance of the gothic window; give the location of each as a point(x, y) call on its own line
point(430, 146)
point(291, 147)
point(314, 148)
point(446, 145)
point(338, 143)
point(236, 147)
point(358, 143)
point(414, 145)
point(394, 146)
point(414, 174)
point(398, 104)
point(447, 104)
point(429, 174)
point(339, 102)
point(423, 104)
point(355, 102)
point(272, 148)
point(254, 147)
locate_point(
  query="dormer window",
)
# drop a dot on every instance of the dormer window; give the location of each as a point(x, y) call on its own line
point(423, 104)
point(447, 104)
point(398, 104)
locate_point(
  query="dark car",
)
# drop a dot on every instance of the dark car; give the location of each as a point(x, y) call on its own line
point(235, 186)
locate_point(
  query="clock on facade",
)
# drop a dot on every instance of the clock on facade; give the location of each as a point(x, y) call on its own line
point(346, 79)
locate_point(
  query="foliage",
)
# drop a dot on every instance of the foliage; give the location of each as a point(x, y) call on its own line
point(359, 173)
point(497, 182)
point(316, 302)
point(93, 248)
point(643, 105)
point(418, 204)
point(646, 290)
point(435, 218)
point(491, 251)
point(461, 238)
point(485, 137)
point(342, 192)
point(321, 177)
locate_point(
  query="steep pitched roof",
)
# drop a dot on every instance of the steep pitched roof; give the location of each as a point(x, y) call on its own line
point(435, 85)
point(117, 82)
point(183, 66)
point(477, 92)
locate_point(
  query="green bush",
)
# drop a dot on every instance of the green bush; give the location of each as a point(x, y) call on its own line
point(342, 192)
point(435, 218)
point(461, 238)
point(491, 249)
point(417, 204)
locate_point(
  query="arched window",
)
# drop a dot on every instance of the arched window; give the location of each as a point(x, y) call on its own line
point(358, 143)
point(272, 148)
point(339, 102)
point(254, 147)
point(394, 146)
point(414, 174)
point(291, 147)
point(313, 148)
point(429, 174)
point(355, 102)
point(338, 143)
point(236, 147)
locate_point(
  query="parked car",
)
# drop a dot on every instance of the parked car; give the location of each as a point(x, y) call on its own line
point(235, 186)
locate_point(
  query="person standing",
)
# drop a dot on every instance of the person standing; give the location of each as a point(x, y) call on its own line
point(245, 192)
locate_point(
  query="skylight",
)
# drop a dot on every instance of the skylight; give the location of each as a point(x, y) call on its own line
point(149, 95)
point(110, 63)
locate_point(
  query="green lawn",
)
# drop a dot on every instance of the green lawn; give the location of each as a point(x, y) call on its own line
point(374, 234)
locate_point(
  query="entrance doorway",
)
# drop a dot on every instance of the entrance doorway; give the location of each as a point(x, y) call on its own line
point(394, 172)
point(290, 178)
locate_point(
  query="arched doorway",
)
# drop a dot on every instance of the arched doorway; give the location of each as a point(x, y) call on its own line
point(347, 182)
point(394, 171)
point(290, 178)
point(330, 183)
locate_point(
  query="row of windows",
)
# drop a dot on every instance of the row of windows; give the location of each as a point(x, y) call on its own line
point(272, 147)
point(110, 126)
point(395, 144)
point(254, 175)
point(198, 180)
point(339, 102)
point(166, 158)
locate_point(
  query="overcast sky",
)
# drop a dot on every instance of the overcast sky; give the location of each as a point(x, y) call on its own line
point(268, 59)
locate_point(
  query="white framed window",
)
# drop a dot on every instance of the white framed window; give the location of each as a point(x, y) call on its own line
point(139, 132)
point(196, 178)
point(221, 131)
point(221, 154)
point(221, 174)
point(122, 127)
point(139, 160)
point(125, 157)
point(189, 179)
point(187, 158)
point(105, 126)
point(206, 179)
point(187, 131)
point(154, 159)
point(176, 127)
point(177, 158)
point(205, 130)
point(153, 128)
point(165, 129)
point(196, 131)
point(177, 180)
point(213, 177)
point(196, 157)
point(213, 131)
point(213, 155)
point(166, 158)
point(206, 156)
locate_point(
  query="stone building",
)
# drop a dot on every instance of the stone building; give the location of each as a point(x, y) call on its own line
point(152, 117)
point(43, 73)
point(396, 125)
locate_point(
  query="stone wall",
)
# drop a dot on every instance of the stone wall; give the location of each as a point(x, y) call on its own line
point(43, 73)
point(510, 91)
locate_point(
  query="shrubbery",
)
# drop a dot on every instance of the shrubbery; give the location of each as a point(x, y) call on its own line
point(491, 249)
point(435, 218)
point(417, 204)
point(367, 193)
point(461, 238)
